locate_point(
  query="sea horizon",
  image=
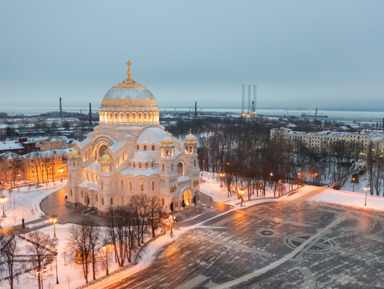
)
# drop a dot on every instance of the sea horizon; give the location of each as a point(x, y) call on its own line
point(346, 114)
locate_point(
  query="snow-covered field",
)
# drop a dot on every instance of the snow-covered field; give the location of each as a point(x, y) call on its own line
point(25, 204)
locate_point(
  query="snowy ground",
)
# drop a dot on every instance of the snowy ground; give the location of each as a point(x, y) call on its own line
point(24, 203)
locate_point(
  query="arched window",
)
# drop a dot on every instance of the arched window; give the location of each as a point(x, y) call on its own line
point(172, 168)
point(71, 193)
point(145, 147)
point(180, 169)
point(122, 184)
point(194, 163)
point(102, 201)
point(137, 147)
point(111, 201)
point(97, 198)
point(146, 165)
point(153, 147)
point(142, 186)
point(153, 185)
point(139, 165)
point(163, 168)
point(130, 186)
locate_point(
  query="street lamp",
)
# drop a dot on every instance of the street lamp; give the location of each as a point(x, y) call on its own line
point(172, 218)
point(3, 199)
point(53, 219)
point(366, 191)
point(61, 175)
point(221, 179)
point(241, 193)
point(353, 182)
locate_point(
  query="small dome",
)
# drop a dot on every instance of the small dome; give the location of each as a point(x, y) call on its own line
point(190, 138)
point(74, 153)
point(106, 158)
point(167, 141)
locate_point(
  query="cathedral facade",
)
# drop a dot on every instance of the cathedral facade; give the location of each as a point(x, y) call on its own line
point(129, 153)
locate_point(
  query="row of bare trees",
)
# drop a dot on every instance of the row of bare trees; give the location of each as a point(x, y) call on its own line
point(250, 159)
point(125, 230)
point(40, 251)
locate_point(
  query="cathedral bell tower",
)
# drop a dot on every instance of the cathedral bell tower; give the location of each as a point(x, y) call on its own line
point(107, 181)
point(74, 176)
point(167, 167)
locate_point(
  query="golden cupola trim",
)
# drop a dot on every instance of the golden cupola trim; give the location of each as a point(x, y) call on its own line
point(129, 103)
point(190, 138)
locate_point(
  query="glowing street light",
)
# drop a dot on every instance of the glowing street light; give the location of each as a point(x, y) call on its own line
point(3, 199)
point(222, 175)
point(241, 193)
point(171, 218)
point(53, 219)
point(366, 191)
point(61, 175)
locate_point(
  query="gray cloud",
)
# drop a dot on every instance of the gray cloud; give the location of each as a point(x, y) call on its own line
point(299, 53)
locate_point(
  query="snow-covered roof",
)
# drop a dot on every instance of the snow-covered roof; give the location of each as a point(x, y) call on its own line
point(142, 156)
point(89, 185)
point(151, 135)
point(84, 142)
point(116, 146)
point(10, 145)
point(44, 154)
point(9, 156)
point(140, 172)
point(128, 135)
point(94, 166)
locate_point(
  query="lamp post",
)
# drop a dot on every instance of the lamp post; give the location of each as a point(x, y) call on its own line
point(353, 182)
point(172, 218)
point(366, 191)
point(53, 219)
point(61, 175)
point(221, 179)
point(241, 193)
point(57, 275)
point(3, 199)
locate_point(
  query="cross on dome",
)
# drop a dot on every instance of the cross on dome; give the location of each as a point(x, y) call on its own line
point(129, 63)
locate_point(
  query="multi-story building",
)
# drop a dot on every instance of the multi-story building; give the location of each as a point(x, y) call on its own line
point(38, 166)
point(327, 141)
point(54, 143)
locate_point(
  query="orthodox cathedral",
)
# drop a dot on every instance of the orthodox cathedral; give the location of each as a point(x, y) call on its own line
point(129, 153)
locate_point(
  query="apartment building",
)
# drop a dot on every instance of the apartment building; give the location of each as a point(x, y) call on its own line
point(326, 141)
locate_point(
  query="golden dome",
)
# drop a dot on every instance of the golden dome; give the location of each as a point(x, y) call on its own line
point(106, 158)
point(190, 138)
point(129, 94)
point(74, 153)
point(167, 140)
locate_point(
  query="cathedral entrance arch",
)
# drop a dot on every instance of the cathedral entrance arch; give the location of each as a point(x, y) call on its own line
point(187, 198)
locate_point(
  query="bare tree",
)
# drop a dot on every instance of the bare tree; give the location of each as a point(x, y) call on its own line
point(8, 244)
point(79, 242)
point(155, 213)
point(42, 248)
point(120, 231)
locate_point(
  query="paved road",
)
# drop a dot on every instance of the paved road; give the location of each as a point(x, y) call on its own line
point(55, 204)
point(273, 245)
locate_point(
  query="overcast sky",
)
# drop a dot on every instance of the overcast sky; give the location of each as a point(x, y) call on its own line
point(324, 54)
